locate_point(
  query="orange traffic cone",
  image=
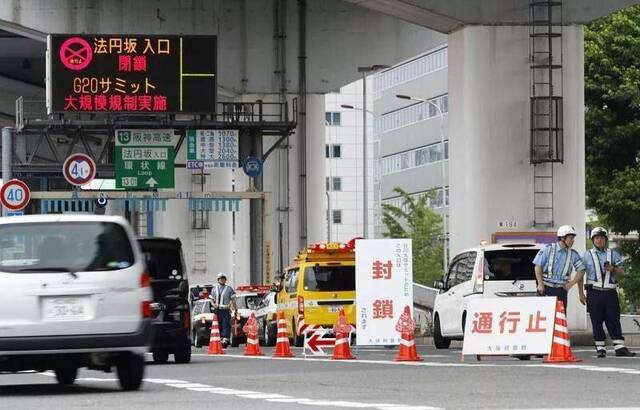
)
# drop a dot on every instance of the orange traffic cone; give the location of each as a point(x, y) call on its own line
point(251, 330)
point(406, 326)
point(215, 344)
point(561, 347)
point(283, 349)
point(342, 329)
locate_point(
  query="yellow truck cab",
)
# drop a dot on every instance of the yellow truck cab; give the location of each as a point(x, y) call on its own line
point(320, 281)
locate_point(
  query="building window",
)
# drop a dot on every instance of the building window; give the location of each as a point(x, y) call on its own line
point(400, 74)
point(332, 117)
point(411, 114)
point(433, 203)
point(334, 184)
point(333, 151)
point(336, 216)
point(414, 158)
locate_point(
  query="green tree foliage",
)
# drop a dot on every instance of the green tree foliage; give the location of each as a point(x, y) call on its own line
point(415, 220)
point(612, 121)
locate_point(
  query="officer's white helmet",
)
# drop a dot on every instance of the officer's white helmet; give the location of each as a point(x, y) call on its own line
point(565, 230)
point(597, 231)
point(222, 275)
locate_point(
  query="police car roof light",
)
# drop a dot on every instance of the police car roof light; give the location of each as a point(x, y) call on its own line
point(254, 288)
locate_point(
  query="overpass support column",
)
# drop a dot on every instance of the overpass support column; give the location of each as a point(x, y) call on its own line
point(490, 173)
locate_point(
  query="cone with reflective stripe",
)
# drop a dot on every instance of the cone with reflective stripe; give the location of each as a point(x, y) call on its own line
point(251, 330)
point(215, 344)
point(406, 327)
point(342, 351)
point(283, 349)
point(561, 347)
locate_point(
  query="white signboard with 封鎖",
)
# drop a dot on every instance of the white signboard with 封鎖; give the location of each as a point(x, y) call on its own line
point(509, 326)
point(384, 286)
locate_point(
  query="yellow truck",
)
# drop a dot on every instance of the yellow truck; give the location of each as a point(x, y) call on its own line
point(320, 281)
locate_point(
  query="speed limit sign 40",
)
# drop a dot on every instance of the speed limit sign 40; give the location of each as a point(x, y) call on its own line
point(79, 169)
point(15, 195)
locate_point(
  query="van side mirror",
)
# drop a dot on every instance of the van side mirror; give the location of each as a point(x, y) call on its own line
point(438, 284)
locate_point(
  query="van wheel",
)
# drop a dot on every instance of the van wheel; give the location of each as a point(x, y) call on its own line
point(130, 369)
point(160, 356)
point(66, 375)
point(183, 355)
point(439, 341)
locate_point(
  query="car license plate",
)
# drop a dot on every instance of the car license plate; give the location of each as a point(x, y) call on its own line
point(65, 308)
point(335, 308)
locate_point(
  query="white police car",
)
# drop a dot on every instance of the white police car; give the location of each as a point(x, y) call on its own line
point(486, 272)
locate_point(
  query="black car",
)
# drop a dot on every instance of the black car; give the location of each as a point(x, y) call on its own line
point(170, 306)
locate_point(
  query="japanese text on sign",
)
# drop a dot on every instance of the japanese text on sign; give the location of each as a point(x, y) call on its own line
point(383, 269)
point(523, 325)
point(215, 148)
point(98, 73)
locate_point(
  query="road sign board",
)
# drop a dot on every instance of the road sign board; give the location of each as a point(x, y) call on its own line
point(14, 213)
point(252, 166)
point(79, 169)
point(131, 73)
point(384, 277)
point(15, 195)
point(318, 339)
point(215, 148)
point(144, 159)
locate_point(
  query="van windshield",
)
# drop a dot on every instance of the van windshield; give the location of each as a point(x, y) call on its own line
point(63, 247)
point(512, 264)
point(330, 278)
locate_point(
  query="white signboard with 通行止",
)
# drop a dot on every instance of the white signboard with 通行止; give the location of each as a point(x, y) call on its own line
point(509, 326)
point(384, 287)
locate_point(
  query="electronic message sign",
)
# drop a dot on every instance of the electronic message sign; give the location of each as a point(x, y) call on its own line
point(131, 74)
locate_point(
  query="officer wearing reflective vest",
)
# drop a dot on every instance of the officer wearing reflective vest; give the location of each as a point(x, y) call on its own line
point(223, 297)
point(603, 271)
point(554, 263)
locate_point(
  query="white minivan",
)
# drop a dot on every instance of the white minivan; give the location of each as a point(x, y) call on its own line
point(484, 272)
point(74, 293)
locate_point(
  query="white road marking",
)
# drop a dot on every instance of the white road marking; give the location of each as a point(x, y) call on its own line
point(279, 398)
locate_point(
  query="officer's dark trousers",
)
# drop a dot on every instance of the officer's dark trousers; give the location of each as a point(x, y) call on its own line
point(560, 293)
point(603, 306)
point(224, 319)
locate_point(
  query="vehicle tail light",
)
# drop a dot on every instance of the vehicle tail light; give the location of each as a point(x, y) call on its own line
point(300, 305)
point(146, 309)
point(185, 320)
point(145, 280)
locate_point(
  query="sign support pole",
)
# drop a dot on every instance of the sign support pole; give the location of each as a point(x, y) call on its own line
point(256, 213)
point(7, 157)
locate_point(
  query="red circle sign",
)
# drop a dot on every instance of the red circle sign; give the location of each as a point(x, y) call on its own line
point(76, 53)
point(15, 195)
point(79, 169)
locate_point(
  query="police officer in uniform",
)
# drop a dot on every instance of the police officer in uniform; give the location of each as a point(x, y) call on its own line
point(603, 271)
point(223, 297)
point(553, 265)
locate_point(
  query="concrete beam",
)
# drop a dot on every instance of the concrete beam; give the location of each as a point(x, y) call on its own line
point(447, 16)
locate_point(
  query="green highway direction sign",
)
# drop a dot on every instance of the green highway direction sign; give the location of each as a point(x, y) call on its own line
point(144, 159)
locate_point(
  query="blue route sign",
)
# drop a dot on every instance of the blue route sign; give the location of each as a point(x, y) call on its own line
point(252, 166)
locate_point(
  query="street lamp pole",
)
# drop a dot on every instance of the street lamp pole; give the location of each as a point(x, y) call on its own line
point(445, 260)
point(365, 176)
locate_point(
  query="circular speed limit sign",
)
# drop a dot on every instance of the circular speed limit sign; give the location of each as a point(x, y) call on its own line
point(15, 195)
point(79, 169)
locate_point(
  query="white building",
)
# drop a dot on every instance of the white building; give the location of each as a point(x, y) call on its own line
point(405, 142)
point(344, 153)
